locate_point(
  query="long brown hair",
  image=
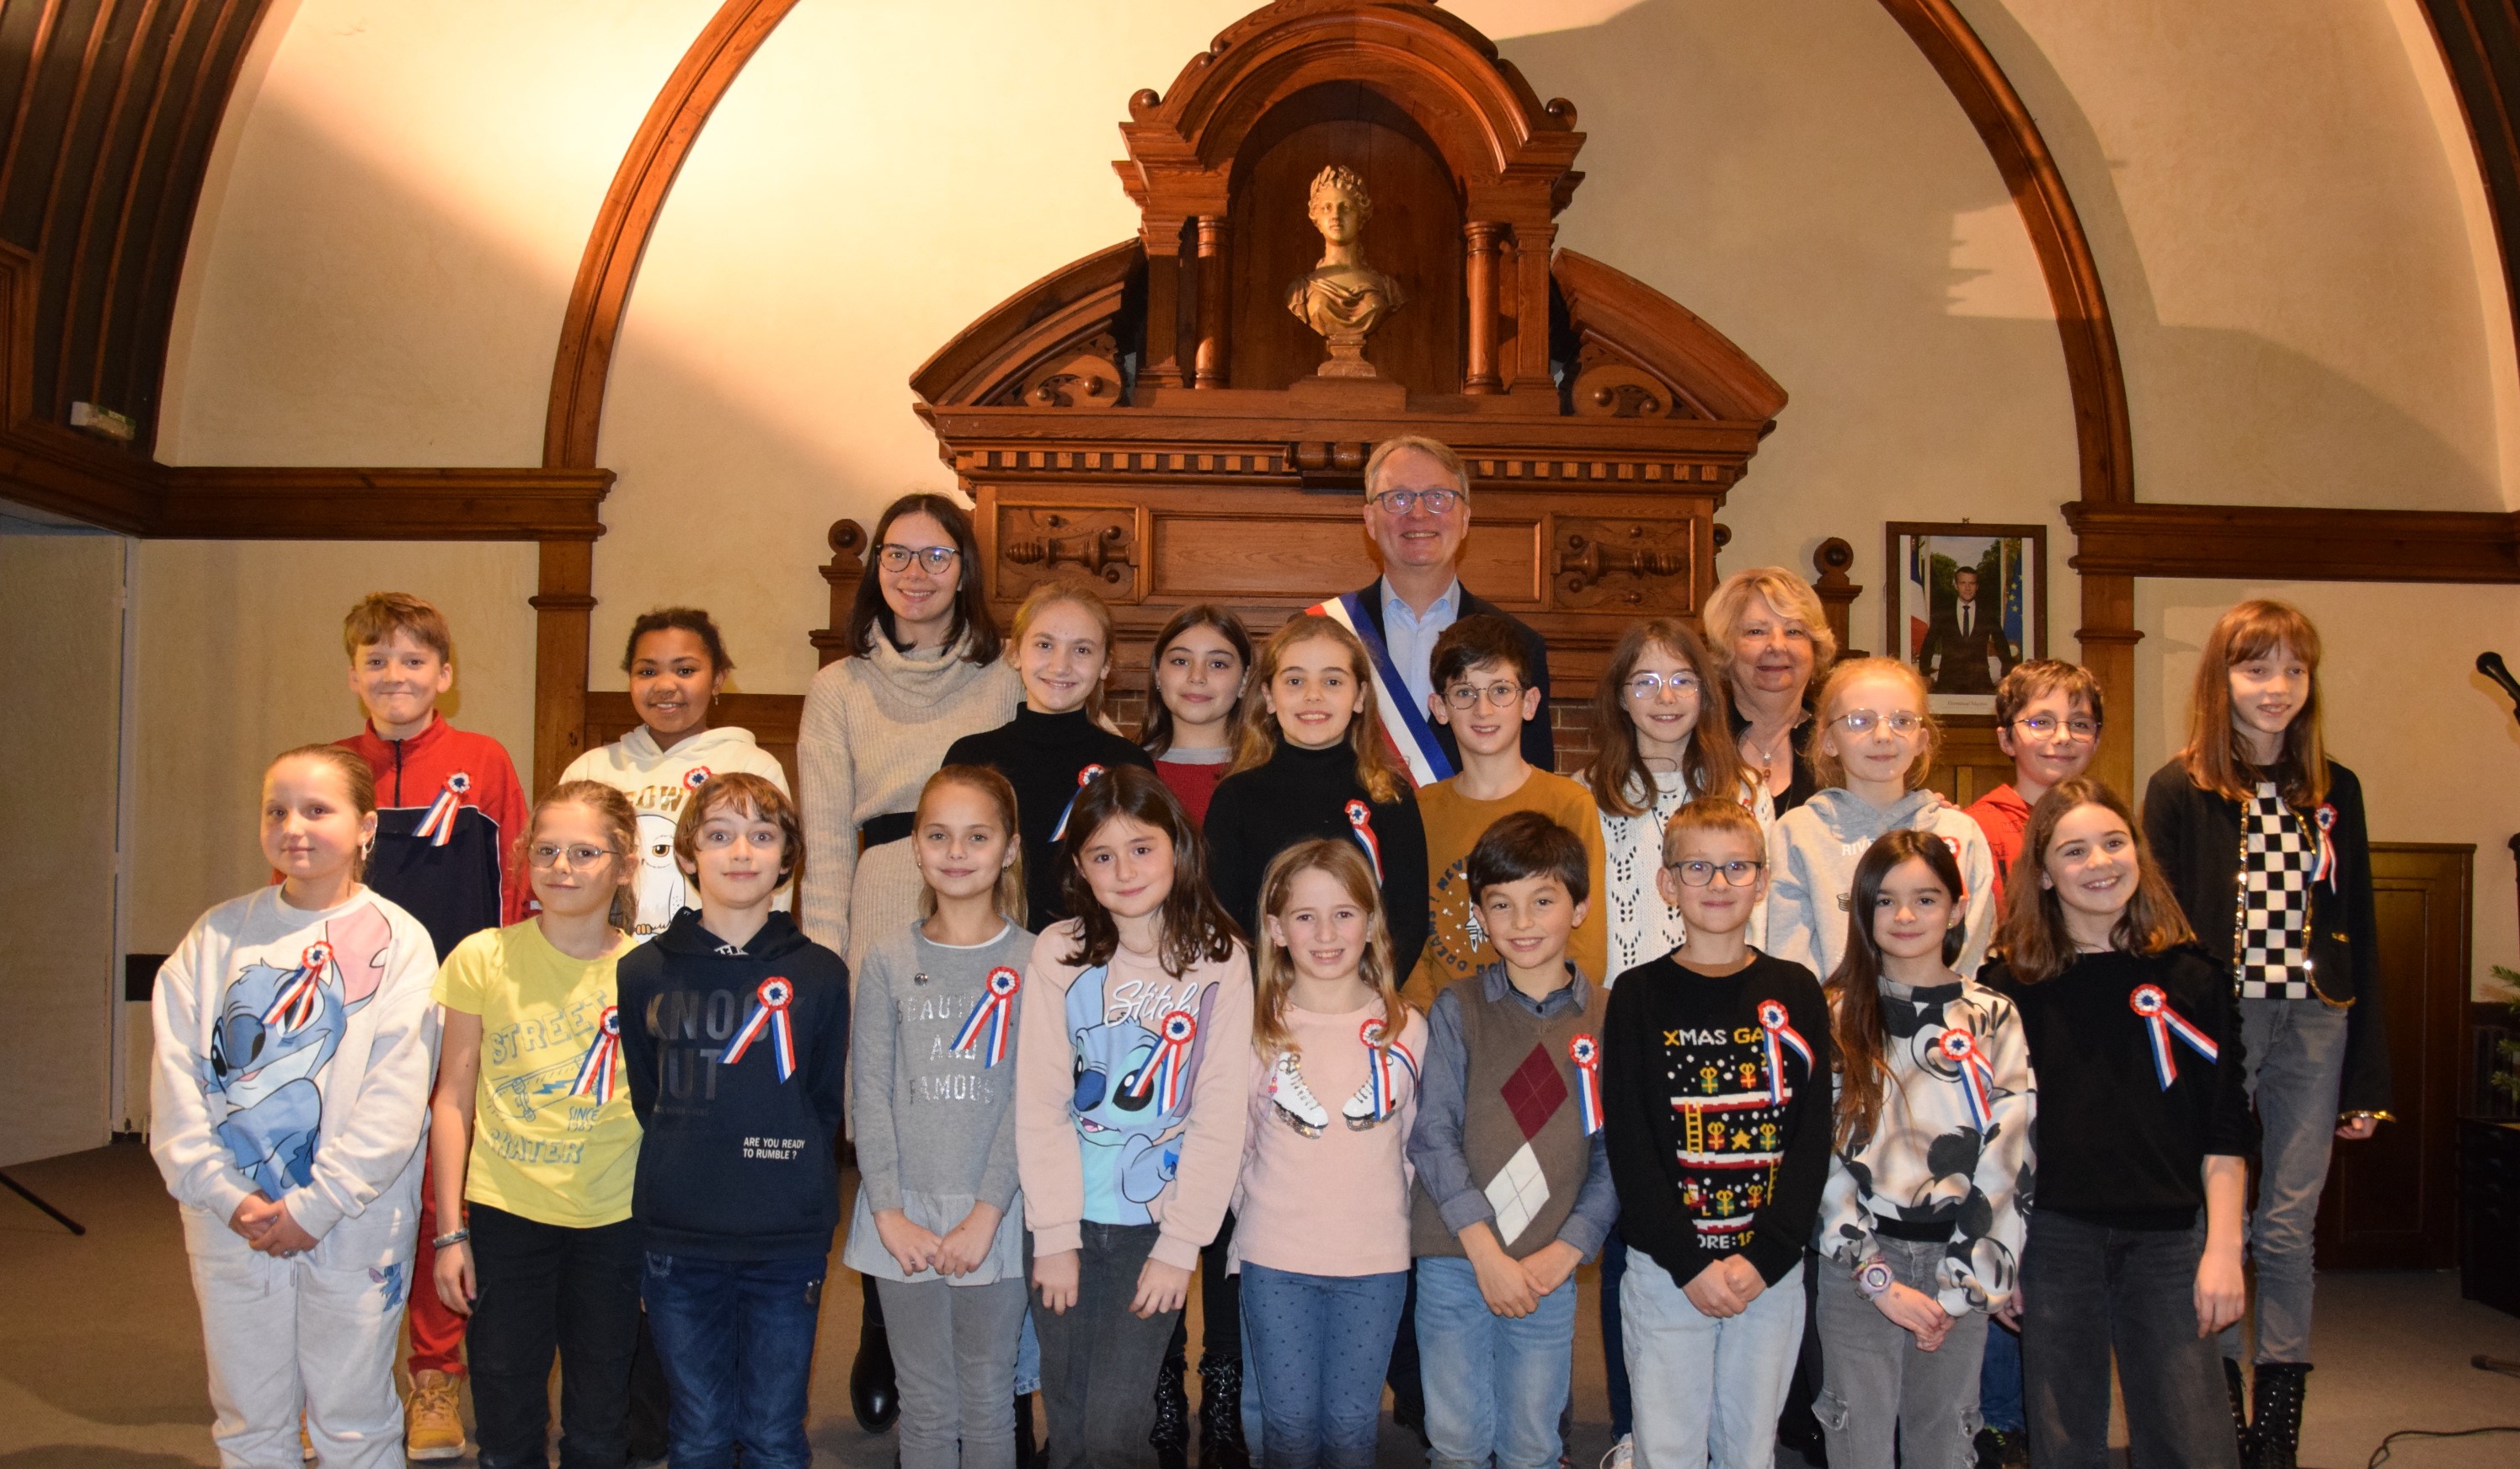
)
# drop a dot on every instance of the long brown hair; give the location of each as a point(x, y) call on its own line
point(1156, 732)
point(1827, 768)
point(1272, 968)
point(1077, 595)
point(1712, 763)
point(1260, 738)
point(870, 614)
point(620, 820)
point(2035, 945)
point(998, 792)
point(1195, 928)
point(2211, 755)
point(1854, 989)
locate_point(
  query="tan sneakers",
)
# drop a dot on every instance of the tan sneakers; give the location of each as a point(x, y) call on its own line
point(432, 1425)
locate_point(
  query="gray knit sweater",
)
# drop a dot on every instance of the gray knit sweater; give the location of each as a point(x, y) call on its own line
point(935, 1127)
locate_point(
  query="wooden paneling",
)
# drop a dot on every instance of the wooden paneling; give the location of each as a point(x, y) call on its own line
point(2288, 543)
point(381, 505)
point(2392, 1201)
point(1969, 763)
point(1243, 556)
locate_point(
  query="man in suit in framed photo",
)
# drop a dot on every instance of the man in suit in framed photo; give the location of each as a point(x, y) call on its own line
point(1965, 649)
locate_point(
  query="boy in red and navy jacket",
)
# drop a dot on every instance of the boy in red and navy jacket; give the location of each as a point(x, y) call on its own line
point(449, 817)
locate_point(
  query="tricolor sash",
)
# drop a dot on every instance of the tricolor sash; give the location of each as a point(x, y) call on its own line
point(1585, 1053)
point(438, 826)
point(1404, 729)
point(1779, 1036)
point(1169, 1064)
point(992, 1018)
point(300, 993)
point(769, 1017)
point(2161, 1022)
point(595, 1074)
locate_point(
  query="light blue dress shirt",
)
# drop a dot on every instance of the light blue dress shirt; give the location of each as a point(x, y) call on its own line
point(1411, 638)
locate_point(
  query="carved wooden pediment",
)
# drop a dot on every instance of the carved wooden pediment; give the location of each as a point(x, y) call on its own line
point(1153, 416)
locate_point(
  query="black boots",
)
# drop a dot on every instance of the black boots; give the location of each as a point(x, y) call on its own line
point(2239, 1391)
point(1171, 1434)
point(1220, 1414)
point(875, 1396)
point(1027, 1457)
point(2276, 1413)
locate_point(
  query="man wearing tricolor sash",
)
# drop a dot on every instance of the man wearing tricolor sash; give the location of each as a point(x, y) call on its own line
point(1418, 509)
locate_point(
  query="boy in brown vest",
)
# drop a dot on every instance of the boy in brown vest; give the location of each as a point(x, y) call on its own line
point(1513, 1181)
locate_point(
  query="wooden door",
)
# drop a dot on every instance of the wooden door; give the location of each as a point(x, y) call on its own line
point(2392, 1202)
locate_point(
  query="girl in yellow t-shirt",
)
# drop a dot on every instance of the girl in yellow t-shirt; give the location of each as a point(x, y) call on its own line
point(533, 1145)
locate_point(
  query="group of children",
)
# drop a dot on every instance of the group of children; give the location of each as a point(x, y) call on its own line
point(1383, 1065)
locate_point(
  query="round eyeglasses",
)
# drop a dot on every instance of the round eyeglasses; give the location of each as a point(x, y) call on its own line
point(1645, 686)
point(898, 558)
point(1469, 696)
point(2043, 726)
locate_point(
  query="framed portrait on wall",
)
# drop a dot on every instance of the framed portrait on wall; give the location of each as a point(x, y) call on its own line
point(1965, 603)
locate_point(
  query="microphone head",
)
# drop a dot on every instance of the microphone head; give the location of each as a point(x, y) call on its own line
point(2491, 665)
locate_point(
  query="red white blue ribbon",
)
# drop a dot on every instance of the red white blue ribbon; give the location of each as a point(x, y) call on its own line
point(2162, 1021)
point(1780, 1034)
point(439, 824)
point(1976, 1073)
point(769, 1014)
point(301, 989)
point(1166, 1069)
point(1360, 821)
point(993, 1016)
point(1084, 779)
point(2324, 818)
point(1585, 1053)
point(696, 777)
point(1382, 1082)
point(595, 1074)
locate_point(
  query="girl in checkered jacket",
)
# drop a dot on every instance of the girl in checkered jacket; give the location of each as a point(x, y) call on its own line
point(2262, 838)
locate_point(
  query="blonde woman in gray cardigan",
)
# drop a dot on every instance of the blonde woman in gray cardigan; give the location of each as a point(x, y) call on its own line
point(922, 672)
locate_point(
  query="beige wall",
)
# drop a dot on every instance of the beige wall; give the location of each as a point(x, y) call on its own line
point(2278, 192)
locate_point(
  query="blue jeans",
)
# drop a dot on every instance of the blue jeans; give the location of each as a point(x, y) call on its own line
point(735, 1338)
point(1717, 1385)
point(1320, 1346)
point(1999, 1380)
point(1495, 1385)
point(2089, 1291)
point(2295, 1053)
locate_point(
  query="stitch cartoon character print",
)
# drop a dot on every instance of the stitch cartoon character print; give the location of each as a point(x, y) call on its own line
point(281, 1020)
point(1138, 1045)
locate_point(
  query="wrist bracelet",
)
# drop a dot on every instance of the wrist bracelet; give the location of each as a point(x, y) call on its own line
point(455, 1237)
point(1874, 1278)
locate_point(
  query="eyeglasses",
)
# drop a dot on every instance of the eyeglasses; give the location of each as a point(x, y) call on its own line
point(1900, 721)
point(1467, 696)
point(1402, 501)
point(1645, 686)
point(1700, 873)
point(2080, 731)
point(898, 558)
point(579, 855)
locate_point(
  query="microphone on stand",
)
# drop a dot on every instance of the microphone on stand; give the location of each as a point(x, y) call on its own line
point(2491, 666)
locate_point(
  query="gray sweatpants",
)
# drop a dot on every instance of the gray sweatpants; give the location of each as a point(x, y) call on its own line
point(1879, 1391)
point(953, 1354)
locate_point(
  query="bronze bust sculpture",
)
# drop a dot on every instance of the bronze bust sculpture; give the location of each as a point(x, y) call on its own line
point(1342, 297)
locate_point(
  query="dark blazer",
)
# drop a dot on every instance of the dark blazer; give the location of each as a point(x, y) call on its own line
point(1964, 656)
point(1539, 742)
point(2196, 837)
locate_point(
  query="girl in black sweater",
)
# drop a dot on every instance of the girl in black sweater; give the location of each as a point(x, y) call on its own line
point(1057, 744)
point(2143, 1123)
point(1312, 762)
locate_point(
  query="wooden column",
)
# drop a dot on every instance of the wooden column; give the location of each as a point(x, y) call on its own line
point(1163, 365)
point(2108, 636)
point(1833, 559)
point(1533, 240)
point(842, 573)
point(1482, 236)
point(564, 609)
point(1209, 365)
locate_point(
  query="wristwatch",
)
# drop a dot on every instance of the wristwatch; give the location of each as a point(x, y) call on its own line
point(1875, 1277)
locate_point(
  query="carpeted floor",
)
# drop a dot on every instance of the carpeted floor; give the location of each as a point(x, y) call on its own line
point(100, 1353)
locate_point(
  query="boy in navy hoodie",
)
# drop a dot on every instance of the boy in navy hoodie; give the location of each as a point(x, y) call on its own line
point(736, 1048)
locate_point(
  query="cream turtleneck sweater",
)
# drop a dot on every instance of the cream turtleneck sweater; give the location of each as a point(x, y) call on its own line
point(874, 728)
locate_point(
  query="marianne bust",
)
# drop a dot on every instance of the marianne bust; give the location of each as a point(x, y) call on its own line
point(1342, 297)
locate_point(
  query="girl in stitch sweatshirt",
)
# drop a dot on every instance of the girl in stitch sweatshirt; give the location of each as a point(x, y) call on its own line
point(1134, 1065)
point(295, 1045)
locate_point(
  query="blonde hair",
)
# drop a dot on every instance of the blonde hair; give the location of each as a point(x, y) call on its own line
point(1274, 969)
point(1827, 768)
point(1711, 812)
point(1050, 594)
point(620, 817)
point(379, 616)
point(2213, 756)
point(354, 774)
point(1435, 448)
point(1260, 737)
point(995, 789)
point(1790, 596)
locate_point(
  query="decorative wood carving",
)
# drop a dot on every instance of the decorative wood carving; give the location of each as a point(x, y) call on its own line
point(841, 574)
point(1639, 568)
point(1094, 543)
point(1832, 561)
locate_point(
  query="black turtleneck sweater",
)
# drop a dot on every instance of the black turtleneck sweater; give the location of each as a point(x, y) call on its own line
point(1303, 793)
point(1043, 755)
